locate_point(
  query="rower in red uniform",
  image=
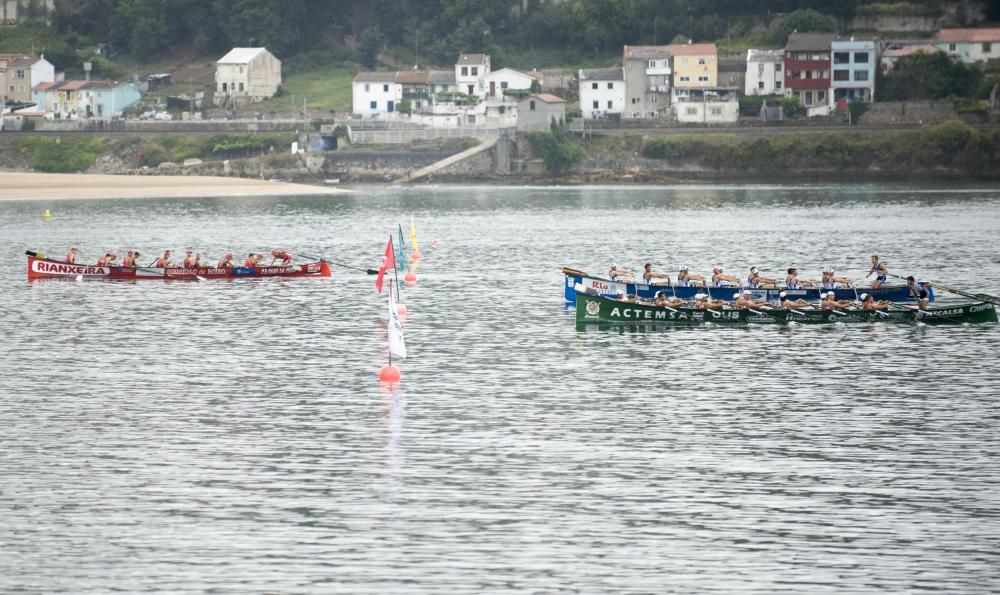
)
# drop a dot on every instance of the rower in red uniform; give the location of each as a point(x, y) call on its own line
point(252, 260)
point(107, 260)
point(129, 260)
point(190, 262)
point(282, 255)
point(71, 255)
point(164, 261)
point(226, 262)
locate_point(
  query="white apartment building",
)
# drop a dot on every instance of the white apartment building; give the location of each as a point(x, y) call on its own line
point(602, 92)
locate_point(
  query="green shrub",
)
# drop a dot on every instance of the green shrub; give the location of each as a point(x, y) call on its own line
point(57, 155)
point(666, 148)
point(791, 107)
point(556, 149)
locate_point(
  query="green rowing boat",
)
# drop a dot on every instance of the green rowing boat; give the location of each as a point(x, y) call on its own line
point(594, 308)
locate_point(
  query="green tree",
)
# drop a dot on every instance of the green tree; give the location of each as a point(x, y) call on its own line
point(929, 76)
point(804, 21)
point(370, 43)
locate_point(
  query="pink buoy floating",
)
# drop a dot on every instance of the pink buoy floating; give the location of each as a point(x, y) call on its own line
point(389, 373)
point(410, 278)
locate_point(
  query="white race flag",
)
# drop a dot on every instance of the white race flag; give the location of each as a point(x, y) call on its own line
point(397, 346)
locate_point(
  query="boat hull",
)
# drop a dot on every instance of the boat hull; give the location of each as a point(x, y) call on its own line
point(43, 268)
point(593, 308)
point(606, 287)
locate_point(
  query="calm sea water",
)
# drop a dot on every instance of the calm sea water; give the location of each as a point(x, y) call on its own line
point(232, 437)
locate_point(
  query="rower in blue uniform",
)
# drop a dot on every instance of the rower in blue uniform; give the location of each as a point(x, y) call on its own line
point(616, 273)
point(880, 271)
point(792, 280)
point(829, 281)
point(686, 279)
point(649, 276)
point(756, 281)
point(721, 280)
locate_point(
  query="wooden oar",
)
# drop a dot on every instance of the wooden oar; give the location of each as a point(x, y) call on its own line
point(982, 297)
point(346, 266)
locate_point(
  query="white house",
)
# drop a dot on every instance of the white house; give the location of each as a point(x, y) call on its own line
point(853, 77)
point(469, 72)
point(498, 81)
point(247, 75)
point(765, 73)
point(375, 93)
point(602, 92)
point(19, 74)
point(970, 45)
point(707, 110)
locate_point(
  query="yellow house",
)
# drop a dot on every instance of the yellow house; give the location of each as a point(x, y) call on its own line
point(696, 66)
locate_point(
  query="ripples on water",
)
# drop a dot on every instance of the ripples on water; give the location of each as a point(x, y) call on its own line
point(231, 437)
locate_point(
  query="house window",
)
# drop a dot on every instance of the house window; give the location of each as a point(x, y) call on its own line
point(691, 111)
point(809, 74)
point(241, 86)
point(987, 48)
point(593, 85)
point(861, 57)
point(597, 104)
point(531, 105)
point(777, 67)
point(465, 71)
point(611, 85)
point(610, 104)
point(634, 99)
point(702, 79)
point(373, 105)
point(475, 71)
point(861, 75)
point(841, 57)
point(841, 75)
point(503, 84)
point(820, 96)
point(760, 69)
point(951, 47)
point(701, 60)
point(367, 87)
point(224, 87)
point(685, 79)
point(715, 111)
point(777, 85)
point(760, 84)
point(652, 64)
point(19, 74)
point(241, 70)
point(385, 88)
point(809, 98)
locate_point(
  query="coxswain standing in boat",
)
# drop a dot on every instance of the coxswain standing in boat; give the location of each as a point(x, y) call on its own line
point(756, 281)
point(868, 303)
point(107, 260)
point(165, 262)
point(686, 279)
point(925, 295)
point(284, 256)
point(787, 304)
point(829, 281)
point(226, 262)
point(649, 276)
point(71, 255)
point(616, 273)
point(721, 280)
point(792, 280)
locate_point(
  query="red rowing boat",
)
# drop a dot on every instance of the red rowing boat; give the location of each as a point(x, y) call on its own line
point(45, 268)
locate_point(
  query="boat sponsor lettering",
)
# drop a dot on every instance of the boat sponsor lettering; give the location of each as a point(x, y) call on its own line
point(948, 312)
point(980, 307)
point(62, 268)
point(643, 314)
point(593, 309)
point(725, 314)
point(604, 287)
point(761, 319)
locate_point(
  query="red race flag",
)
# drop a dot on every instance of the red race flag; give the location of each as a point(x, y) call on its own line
point(387, 263)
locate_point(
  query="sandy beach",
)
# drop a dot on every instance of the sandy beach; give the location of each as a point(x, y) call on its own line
point(20, 185)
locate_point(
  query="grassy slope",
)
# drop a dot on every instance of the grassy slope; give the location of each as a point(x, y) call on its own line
point(326, 90)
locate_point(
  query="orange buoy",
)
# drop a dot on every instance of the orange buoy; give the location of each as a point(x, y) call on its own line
point(414, 257)
point(401, 309)
point(389, 374)
point(410, 278)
